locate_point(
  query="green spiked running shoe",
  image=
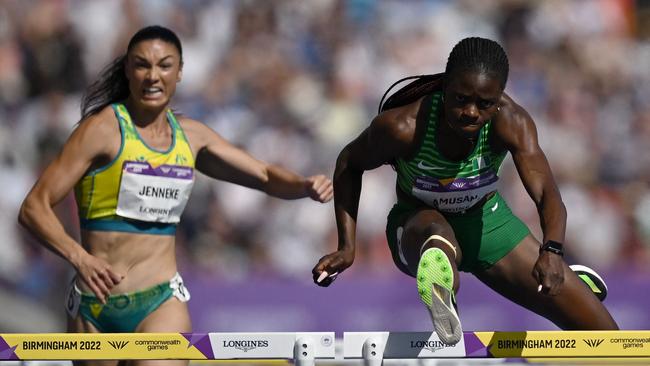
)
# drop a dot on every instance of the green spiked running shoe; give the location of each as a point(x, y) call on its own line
point(435, 279)
point(595, 283)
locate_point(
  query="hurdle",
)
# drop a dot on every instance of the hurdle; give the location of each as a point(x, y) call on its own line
point(301, 348)
point(374, 347)
point(304, 348)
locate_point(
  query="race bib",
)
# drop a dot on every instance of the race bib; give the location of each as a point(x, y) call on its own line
point(454, 194)
point(154, 194)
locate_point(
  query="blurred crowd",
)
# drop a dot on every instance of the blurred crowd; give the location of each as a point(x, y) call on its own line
point(293, 81)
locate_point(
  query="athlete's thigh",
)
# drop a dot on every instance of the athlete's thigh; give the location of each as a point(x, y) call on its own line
point(80, 325)
point(420, 227)
point(171, 317)
point(575, 307)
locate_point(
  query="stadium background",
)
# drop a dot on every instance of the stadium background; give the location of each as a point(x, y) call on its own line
point(292, 82)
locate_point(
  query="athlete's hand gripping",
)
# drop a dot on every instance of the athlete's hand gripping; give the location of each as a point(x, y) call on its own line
point(98, 275)
point(549, 273)
point(319, 188)
point(329, 266)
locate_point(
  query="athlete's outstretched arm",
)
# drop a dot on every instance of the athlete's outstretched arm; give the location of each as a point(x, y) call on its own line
point(517, 130)
point(88, 142)
point(219, 159)
point(387, 137)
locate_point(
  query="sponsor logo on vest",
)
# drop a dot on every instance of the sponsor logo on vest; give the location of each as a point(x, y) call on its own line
point(246, 345)
point(424, 166)
point(428, 345)
point(118, 344)
point(593, 343)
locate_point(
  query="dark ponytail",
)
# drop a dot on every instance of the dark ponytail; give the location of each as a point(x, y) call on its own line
point(112, 85)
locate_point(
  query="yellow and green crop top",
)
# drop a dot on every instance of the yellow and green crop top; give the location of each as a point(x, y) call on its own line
point(142, 190)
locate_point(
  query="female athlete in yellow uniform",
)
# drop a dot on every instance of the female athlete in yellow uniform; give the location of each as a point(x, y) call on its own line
point(132, 164)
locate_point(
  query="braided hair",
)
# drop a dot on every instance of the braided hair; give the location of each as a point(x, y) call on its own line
point(470, 54)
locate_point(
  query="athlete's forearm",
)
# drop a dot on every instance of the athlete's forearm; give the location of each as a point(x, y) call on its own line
point(283, 183)
point(41, 221)
point(346, 227)
point(347, 191)
point(553, 216)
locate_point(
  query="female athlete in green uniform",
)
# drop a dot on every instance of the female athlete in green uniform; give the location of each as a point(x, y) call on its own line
point(446, 136)
point(132, 162)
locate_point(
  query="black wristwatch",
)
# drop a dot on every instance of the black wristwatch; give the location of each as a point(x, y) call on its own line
point(553, 247)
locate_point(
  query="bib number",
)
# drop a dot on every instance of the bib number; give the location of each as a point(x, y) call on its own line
point(454, 194)
point(154, 194)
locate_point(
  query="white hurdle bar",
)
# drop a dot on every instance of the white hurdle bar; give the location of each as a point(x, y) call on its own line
point(374, 347)
point(303, 348)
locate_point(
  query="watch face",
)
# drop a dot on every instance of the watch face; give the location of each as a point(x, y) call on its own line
point(553, 246)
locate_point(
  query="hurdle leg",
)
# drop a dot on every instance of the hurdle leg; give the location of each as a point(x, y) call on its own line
point(373, 351)
point(303, 352)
